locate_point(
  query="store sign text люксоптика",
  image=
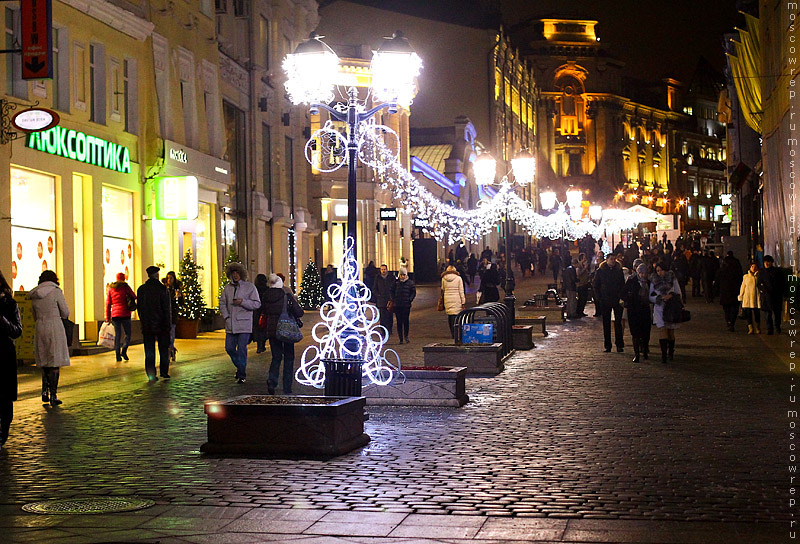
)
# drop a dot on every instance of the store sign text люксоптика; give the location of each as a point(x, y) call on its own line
point(78, 146)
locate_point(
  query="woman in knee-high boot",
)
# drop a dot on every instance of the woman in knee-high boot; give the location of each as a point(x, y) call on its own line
point(51, 350)
point(663, 287)
point(636, 295)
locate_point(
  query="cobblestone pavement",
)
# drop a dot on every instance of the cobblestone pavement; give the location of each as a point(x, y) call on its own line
point(567, 444)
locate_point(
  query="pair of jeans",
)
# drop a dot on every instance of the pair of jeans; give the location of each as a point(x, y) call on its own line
point(583, 296)
point(281, 350)
point(121, 324)
point(402, 321)
point(6, 415)
point(731, 313)
point(236, 347)
point(386, 319)
point(451, 320)
point(774, 318)
point(149, 340)
point(606, 310)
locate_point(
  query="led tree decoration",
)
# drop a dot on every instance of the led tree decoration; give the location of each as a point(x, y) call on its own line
point(311, 295)
point(349, 330)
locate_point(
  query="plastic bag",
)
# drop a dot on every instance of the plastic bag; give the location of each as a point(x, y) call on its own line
point(106, 336)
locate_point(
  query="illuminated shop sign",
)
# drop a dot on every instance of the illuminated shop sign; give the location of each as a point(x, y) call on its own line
point(388, 214)
point(78, 146)
point(176, 197)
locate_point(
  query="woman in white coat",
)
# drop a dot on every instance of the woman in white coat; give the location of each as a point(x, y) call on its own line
point(663, 287)
point(453, 293)
point(50, 350)
point(751, 299)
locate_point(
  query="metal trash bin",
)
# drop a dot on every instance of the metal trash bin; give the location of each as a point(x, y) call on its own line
point(343, 377)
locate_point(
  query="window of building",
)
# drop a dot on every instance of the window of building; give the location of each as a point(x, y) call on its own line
point(130, 96)
point(187, 80)
point(702, 212)
point(97, 83)
point(61, 89)
point(240, 8)
point(33, 227)
point(264, 49)
point(687, 110)
point(266, 157)
point(79, 59)
point(690, 211)
point(15, 85)
point(118, 246)
point(684, 148)
point(221, 6)
point(575, 165)
point(117, 95)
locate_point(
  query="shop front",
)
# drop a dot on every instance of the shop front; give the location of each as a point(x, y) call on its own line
point(74, 197)
point(186, 206)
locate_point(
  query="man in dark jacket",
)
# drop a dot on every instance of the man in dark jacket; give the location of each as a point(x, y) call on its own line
point(681, 268)
point(382, 289)
point(694, 271)
point(709, 266)
point(609, 281)
point(154, 315)
point(728, 283)
point(772, 285)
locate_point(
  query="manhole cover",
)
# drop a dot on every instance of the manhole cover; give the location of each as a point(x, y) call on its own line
point(96, 505)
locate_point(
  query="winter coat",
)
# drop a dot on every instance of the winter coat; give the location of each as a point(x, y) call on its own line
point(472, 266)
point(239, 319)
point(771, 284)
point(404, 293)
point(370, 273)
point(154, 307)
point(175, 300)
point(636, 295)
point(694, 265)
point(658, 288)
point(117, 300)
point(570, 279)
point(272, 307)
point(382, 289)
point(608, 285)
point(490, 278)
point(681, 267)
point(748, 292)
point(453, 289)
point(49, 308)
point(729, 281)
point(10, 328)
point(708, 268)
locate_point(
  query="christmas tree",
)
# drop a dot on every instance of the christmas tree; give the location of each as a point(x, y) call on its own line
point(311, 296)
point(193, 302)
point(233, 257)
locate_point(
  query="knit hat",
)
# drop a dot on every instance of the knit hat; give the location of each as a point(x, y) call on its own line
point(642, 268)
point(275, 281)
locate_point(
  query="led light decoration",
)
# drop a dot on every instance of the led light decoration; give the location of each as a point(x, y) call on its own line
point(349, 330)
point(395, 67)
point(311, 71)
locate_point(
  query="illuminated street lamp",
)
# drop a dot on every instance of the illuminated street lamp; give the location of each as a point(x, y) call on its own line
point(595, 212)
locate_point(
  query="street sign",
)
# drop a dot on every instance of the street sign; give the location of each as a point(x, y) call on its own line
point(388, 214)
point(35, 119)
point(37, 39)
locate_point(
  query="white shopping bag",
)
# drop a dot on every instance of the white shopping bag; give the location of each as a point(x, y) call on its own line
point(106, 336)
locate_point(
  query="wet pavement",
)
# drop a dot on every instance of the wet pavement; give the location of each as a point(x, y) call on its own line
point(568, 444)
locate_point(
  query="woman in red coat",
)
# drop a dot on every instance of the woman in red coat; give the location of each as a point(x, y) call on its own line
point(120, 303)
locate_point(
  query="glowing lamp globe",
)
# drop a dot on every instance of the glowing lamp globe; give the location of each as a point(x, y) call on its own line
point(524, 167)
point(311, 72)
point(484, 168)
point(574, 198)
point(548, 199)
point(595, 212)
point(395, 67)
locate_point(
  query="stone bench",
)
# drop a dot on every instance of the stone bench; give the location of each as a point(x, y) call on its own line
point(479, 359)
point(421, 387)
point(533, 321)
point(523, 337)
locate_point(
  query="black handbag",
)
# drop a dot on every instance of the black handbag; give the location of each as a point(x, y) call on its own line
point(686, 315)
point(69, 329)
point(673, 309)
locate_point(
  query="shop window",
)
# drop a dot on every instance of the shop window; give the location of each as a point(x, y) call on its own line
point(33, 227)
point(204, 251)
point(118, 246)
point(702, 212)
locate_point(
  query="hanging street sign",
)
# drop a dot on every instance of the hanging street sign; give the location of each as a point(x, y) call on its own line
point(37, 39)
point(388, 214)
point(35, 119)
point(176, 197)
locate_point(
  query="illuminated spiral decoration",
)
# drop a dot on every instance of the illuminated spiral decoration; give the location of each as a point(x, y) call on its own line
point(378, 145)
point(349, 330)
point(326, 150)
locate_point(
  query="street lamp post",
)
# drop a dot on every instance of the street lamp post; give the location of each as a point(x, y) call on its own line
point(311, 72)
point(523, 167)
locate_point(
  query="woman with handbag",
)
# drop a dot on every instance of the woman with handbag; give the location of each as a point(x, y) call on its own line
point(750, 298)
point(120, 303)
point(174, 290)
point(275, 303)
point(10, 328)
point(636, 296)
point(453, 297)
point(50, 350)
point(665, 294)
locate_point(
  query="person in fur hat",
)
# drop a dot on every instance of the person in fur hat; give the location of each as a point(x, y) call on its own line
point(663, 287)
point(238, 302)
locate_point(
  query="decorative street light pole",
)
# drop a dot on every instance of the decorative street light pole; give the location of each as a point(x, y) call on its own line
point(523, 168)
point(312, 71)
point(549, 201)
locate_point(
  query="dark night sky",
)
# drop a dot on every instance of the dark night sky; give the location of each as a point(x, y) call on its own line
point(656, 38)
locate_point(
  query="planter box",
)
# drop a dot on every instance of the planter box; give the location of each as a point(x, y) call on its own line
point(523, 337)
point(291, 426)
point(434, 387)
point(479, 359)
point(554, 314)
point(186, 328)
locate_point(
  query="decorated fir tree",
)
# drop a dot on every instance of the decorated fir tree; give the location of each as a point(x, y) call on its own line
point(233, 257)
point(193, 302)
point(311, 296)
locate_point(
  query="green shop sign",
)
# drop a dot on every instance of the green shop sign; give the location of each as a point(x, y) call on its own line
point(81, 147)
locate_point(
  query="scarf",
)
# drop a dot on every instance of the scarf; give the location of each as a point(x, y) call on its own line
point(662, 285)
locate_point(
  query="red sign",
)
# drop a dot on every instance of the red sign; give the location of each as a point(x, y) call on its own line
point(37, 39)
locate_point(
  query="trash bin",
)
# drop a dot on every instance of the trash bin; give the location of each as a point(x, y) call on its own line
point(343, 377)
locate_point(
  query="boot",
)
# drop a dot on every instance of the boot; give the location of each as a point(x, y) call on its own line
point(749, 329)
point(636, 343)
point(757, 329)
point(45, 388)
point(53, 382)
point(644, 345)
point(664, 343)
point(671, 352)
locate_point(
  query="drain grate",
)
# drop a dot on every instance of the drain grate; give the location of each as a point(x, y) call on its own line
point(94, 505)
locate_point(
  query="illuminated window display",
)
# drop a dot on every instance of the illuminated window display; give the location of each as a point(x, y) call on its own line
point(33, 227)
point(118, 247)
point(203, 255)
